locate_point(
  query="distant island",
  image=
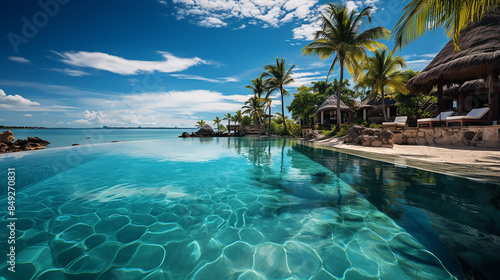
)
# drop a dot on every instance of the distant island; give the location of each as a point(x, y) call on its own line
point(21, 127)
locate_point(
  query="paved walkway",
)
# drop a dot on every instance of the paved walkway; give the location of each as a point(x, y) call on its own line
point(472, 162)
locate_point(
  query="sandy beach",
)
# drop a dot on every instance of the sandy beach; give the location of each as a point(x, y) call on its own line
point(472, 162)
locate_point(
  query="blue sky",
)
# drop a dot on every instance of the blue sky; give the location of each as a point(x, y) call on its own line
point(69, 63)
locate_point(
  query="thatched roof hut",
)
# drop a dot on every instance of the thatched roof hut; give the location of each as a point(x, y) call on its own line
point(371, 103)
point(331, 104)
point(328, 110)
point(479, 57)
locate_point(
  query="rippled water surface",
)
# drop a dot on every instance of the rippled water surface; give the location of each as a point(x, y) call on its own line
point(222, 208)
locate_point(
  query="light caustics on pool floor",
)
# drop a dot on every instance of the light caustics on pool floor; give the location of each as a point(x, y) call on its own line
point(232, 209)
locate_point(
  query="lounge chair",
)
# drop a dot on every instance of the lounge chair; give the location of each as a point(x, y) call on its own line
point(475, 115)
point(437, 120)
point(398, 122)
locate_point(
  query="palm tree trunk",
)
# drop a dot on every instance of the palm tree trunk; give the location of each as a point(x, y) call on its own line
point(269, 122)
point(339, 90)
point(283, 109)
point(383, 106)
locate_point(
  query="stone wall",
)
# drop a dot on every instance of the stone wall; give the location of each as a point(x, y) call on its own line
point(479, 136)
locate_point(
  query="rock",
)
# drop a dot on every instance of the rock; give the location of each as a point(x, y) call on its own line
point(376, 143)
point(115, 141)
point(205, 130)
point(32, 143)
point(38, 140)
point(185, 135)
point(369, 137)
point(75, 145)
point(469, 135)
point(7, 136)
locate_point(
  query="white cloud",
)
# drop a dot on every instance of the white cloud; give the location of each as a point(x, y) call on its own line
point(212, 22)
point(122, 66)
point(200, 78)
point(305, 78)
point(243, 26)
point(18, 103)
point(13, 101)
point(156, 109)
point(216, 13)
point(19, 59)
point(28, 115)
point(353, 5)
point(70, 72)
point(306, 31)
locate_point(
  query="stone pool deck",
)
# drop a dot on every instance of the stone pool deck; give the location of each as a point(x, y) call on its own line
point(471, 162)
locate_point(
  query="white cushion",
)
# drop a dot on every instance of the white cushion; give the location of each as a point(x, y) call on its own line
point(474, 114)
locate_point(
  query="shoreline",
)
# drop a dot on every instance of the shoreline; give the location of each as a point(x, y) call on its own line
point(479, 164)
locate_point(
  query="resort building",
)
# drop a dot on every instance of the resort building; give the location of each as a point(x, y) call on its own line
point(371, 109)
point(327, 112)
point(467, 79)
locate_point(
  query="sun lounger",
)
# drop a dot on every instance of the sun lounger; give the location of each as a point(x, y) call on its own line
point(398, 122)
point(475, 115)
point(437, 120)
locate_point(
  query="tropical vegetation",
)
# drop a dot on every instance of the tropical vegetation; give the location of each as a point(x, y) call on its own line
point(339, 35)
point(383, 72)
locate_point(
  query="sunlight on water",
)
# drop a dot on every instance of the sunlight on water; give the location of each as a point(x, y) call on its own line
point(198, 209)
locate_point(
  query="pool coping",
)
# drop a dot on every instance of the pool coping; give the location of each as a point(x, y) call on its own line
point(453, 169)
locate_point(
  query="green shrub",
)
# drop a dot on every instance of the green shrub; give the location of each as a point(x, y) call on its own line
point(375, 125)
point(361, 122)
point(344, 129)
point(294, 129)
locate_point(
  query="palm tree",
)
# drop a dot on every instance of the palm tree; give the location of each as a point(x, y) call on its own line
point(258, 87)
point(254, 107)
point(277, 77)
point(228, 118)
point(238, 117)
point(340, 35)
point(420, 16)
point(217, 121)
point(200, 123)
point(383, 71)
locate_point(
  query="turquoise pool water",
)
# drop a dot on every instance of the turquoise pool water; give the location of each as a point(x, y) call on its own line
point(209, 208)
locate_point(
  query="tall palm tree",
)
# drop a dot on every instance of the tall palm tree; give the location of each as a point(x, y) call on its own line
point(277, 77)
point(259, 88)
point(254, 107)
point(200, 123)
point(420, 16)
point(383, 70)
point(340, 35)
point(228, 118)
point(217, 121)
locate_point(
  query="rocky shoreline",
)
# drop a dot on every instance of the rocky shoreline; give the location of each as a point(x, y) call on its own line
point(8, 145)
point(208, 131)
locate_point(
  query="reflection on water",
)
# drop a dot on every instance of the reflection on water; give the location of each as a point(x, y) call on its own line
point(455, 218)
point(218, 208)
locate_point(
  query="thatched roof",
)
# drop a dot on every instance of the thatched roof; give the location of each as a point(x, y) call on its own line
point(476, 84)
point(376, 101)
point(448, 90)
point(479, 56)
point(331, 104)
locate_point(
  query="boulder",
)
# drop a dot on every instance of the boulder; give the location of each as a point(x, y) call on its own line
point(205, 130)
point(75, 145)
point(369, 137)
point(7, 136)
point(185, 135)
point(3, 147)
point(38, 140)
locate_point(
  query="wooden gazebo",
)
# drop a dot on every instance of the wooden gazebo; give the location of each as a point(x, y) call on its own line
point(478, 61)
point(327, 112)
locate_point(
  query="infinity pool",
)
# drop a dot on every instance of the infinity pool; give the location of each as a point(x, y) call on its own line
point(221, 208)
